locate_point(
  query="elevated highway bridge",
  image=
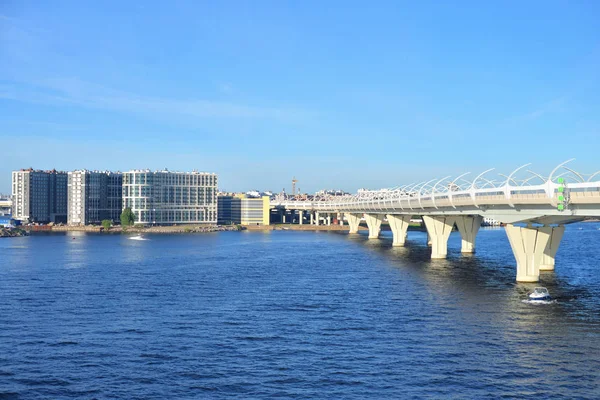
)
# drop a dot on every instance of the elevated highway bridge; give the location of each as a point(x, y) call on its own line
point(533, 207)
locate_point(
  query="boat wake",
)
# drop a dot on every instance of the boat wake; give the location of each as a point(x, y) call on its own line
point(138, 237)
point(539, 302)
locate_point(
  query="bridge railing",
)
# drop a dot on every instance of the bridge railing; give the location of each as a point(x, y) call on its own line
point(459, 192)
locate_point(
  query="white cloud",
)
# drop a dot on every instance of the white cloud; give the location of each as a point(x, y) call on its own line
point(79, 93)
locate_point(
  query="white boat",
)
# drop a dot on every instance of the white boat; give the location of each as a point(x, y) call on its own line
point(137, 237)
point(540, 294)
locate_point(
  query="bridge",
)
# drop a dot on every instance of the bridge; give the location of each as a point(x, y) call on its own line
point(534, 209)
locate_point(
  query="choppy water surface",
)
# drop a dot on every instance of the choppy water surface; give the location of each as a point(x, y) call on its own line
point(293, 315)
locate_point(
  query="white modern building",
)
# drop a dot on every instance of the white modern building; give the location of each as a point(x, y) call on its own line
point(165, 197)
point(39, 196)
point(94, 196)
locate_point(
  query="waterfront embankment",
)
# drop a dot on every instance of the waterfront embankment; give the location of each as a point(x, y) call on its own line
point(295, 227)
point(12, 232)
point(308, 227)
point(210, 228)
point(152, 229)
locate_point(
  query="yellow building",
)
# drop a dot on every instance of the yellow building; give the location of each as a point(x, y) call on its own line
point(244, 210)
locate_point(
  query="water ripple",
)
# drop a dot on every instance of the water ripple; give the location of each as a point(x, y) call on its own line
point(292, 315)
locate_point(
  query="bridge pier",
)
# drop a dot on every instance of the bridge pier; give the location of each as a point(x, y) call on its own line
point(551, 248)
point(300, 216)
point(439, 228)
point(353, 222)
point(530, 245)
point(374, 224)
point(317, 218)
point(468, 228)
point(399, 226)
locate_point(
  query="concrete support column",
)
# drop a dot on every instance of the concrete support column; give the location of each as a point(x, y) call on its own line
point(340, 219)
point(551, 248)
point(300, 216)
point(328, 219)
point(439, 228)
point(528, 245)
point(374, 224)
point(317, 218)
point(353, 221)
point(468, 228)
point(399, 226)
point(312, 218)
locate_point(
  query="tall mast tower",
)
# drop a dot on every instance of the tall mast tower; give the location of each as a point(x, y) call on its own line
point(294, 180)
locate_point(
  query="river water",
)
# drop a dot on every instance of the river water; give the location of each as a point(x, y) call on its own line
point(289, 314)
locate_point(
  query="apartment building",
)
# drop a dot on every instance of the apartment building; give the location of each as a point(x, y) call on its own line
point(166, 197)
point(39, 196)
point(94, 196)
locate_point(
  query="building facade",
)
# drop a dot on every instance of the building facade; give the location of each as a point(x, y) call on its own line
point(94, 196)
point(243, 210)
point(39, 196)
point(165, 197)
point(5, 205)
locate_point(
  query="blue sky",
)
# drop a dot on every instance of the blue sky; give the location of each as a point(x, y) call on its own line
point(338, 94)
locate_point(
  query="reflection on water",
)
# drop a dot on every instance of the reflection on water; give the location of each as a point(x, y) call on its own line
point(293, 314)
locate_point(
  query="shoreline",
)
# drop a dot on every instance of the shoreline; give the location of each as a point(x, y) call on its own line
point(149, 230)
point(8, 233)
point(206, 228)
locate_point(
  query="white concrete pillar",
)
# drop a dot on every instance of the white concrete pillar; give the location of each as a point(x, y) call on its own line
point(317, 218)
point(340, 219)
point(353, 222)
point(551, 248)
point(312, 219)
point(283, 218)
point(300, 216)
point(439, 228)
point(374, 224)
point(528, 245)
point(399, 226)
point(468, 228)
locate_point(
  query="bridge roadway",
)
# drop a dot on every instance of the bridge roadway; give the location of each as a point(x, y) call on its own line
point(534, 214)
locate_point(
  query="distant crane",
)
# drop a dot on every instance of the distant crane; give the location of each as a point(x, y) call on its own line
point(294, 180)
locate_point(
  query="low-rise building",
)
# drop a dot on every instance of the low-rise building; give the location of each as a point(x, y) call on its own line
point(243, 210)
point(7, 221)
point(166, 198)
point(5, 205)
point(39, 196)
point(94, 196)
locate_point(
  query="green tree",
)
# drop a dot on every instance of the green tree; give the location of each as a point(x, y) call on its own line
point(106, 224)
point(127, 217)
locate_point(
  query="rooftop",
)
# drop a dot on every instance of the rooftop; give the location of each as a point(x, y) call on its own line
point(166, 171)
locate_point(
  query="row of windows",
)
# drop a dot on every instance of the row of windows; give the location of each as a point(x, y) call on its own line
point(148, 178)
point(149, 191)
point(161, 217)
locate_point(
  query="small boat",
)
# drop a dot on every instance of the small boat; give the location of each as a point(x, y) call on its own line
point(137, 237)
point(540, 294)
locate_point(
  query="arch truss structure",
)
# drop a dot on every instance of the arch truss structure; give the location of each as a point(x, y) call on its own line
point(522, 195)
